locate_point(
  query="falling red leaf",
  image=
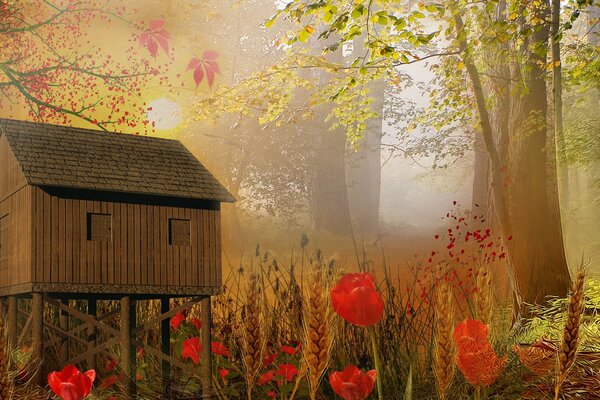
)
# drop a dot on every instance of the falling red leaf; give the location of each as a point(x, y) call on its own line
point(156, 36)
point(207, 66)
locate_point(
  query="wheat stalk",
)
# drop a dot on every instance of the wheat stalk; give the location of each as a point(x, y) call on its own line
point(5, 381)
point(445, 353)
point(568, 349)
point(254, 341)
point(318, 332)
point(482, 296)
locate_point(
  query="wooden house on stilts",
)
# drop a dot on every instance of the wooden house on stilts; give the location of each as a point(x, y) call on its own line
point(89, 216)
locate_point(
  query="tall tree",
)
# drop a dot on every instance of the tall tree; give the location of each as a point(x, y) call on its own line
point(515, 143)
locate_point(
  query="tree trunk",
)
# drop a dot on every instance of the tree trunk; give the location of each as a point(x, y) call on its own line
point(536, 251)
point(330, 210)
point(363, 169)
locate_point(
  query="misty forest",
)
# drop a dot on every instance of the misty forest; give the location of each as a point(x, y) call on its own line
point(416, 186)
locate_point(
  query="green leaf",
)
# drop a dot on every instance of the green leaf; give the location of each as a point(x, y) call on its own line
point(269, 23)
point(432, 8)
point(382, 20)
point(358, 11)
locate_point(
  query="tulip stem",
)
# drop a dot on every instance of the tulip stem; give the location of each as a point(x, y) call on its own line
point(377, 363)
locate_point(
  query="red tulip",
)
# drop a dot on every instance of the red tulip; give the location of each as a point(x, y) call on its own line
point(196, 322)
point(177, 320)
point(476, 358)
point(70, 383)
point(269, 360)
point(223, 372)
point(290, 350)
point(356, 299)
point(220, 349)
point(287, 371)
point(352, 383)
point(191, 349)
point(266, 377)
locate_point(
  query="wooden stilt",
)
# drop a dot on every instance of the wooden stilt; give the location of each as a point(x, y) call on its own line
point(11, 321)
point(37, 333)
point(64, 325)
point(206, 349)
point(127, 351)
point(165, 337)
point(92, 338)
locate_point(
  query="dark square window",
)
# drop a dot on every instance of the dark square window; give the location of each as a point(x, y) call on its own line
point(179, 232)
point(99, 227)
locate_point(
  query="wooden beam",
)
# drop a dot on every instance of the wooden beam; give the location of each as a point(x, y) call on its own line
point(127, 350)
point(206, 373)
point(64, 325)
point(84, 317)
point(12, 321)
point(169, 314)
point(165, 337)
point(92, 340)
point(37, 336)
point(100, 348)
point(25, 329)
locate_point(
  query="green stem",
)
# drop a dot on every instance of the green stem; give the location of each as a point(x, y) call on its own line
point(377, 363)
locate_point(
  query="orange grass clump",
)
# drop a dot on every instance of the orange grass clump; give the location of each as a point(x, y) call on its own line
point(444, 352)
point(254, 341)
point(568, 348)
point(318, 329)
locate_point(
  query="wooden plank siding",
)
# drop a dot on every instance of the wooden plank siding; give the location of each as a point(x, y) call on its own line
point(139, 253)
point(16, 215)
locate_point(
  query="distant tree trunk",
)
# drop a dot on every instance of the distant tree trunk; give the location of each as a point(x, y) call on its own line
point(364, 171)
point(523, 205)
point(330, 210)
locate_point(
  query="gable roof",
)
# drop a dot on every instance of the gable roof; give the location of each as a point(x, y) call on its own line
point(61, 156)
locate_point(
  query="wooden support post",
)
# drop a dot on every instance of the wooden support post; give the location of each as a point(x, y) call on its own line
point(165, 337)
point(64, 325)
point(127, 351)
point(12, 321)
point(206, 349)
point(92, 333)
point(37, 339)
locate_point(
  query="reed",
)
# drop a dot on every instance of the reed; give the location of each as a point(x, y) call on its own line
point(318, 332)
point(254, 341)
point(444, 353)
point(483, 296)
point(568, 349)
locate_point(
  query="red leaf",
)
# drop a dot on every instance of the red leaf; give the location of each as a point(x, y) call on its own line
point(198, 75)
point(210, 55)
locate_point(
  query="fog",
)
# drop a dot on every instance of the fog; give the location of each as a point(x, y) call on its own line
point(283, 155)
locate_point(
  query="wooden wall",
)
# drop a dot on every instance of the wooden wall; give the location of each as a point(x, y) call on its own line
point(11, 177)
point(15, 211)
point(139, 253)
point(16, 235)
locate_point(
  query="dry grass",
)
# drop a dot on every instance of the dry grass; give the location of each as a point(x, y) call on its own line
point(5, 381)
point(318, 319)
point(445, 352)
point(254, 340)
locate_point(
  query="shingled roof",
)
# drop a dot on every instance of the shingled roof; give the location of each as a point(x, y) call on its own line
point(60, 156)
